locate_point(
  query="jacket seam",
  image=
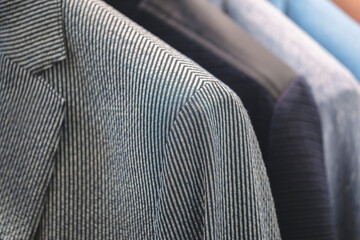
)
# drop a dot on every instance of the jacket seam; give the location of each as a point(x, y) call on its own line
point(157, 207)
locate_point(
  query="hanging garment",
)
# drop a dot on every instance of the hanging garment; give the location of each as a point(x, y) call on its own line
point(328, 25)
point(286, 121)
point(108, 133)
point(196, 29)
point(337, 96)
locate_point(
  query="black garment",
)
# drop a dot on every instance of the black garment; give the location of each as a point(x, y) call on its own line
point(280, 104)
point(296, 167)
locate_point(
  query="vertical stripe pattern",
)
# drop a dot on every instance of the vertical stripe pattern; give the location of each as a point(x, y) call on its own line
point(149, 141)
point(30, 118)
point(214, 186)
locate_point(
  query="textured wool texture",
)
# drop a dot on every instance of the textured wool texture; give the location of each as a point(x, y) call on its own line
point(337, 95)
point(109, 133)
point(286, 121)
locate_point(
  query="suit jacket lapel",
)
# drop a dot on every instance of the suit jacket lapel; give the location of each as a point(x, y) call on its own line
point(31, 114)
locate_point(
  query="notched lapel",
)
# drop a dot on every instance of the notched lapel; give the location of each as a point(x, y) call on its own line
point(31, 115)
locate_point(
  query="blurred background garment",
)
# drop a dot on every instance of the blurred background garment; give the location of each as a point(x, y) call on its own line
point(280, 104)
point(329, 25)
point(337, 95)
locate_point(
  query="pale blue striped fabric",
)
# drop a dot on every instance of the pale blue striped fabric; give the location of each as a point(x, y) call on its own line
point(108, 133)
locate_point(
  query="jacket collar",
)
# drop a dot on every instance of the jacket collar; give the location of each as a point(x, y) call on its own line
point(31, 33)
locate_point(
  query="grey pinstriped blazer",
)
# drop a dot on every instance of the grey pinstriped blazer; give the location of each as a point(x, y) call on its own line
point(108, 133)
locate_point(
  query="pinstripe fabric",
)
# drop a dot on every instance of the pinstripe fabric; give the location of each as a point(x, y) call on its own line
point(151, 145)
point(30, 117)
point(213, 116)
point(287, 124)
point(196, 29)
point(34, 44)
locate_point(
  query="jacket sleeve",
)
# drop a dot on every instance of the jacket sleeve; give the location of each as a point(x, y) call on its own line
point(214, 183)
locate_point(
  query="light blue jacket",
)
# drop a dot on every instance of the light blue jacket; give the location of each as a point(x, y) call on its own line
point(328, 25)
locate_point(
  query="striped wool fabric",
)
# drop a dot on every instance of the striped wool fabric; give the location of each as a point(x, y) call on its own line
point(109, 133)
point(283, 111)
